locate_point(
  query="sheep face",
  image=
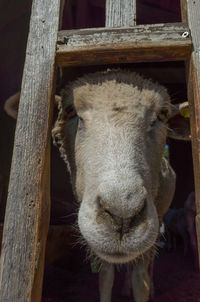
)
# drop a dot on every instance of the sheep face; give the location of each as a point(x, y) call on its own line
point(112, 131)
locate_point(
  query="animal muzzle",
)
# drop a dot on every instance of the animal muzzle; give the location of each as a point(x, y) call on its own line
point(123, 211)
point(120, 223)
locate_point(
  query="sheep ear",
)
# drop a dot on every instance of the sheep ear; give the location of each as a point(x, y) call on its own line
point(179, 122)
point(12, 104)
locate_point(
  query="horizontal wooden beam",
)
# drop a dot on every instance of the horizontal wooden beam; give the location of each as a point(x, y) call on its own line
point(142, 43)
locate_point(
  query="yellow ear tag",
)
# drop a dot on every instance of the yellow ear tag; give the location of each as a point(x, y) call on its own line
point(184, 110)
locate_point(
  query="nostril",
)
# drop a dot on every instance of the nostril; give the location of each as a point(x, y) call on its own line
point(140, 210)
point(115, 219)
point(120, 223)
point(138, 216)
point(105, 211)
point(101, 204)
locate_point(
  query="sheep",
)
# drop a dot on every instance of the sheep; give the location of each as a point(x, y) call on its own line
point(111, 131)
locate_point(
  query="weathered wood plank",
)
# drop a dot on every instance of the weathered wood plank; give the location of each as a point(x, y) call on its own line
point(1, 235)
point(27, 212)
point(193, 75)
point(120, 13)
point(57, 249)
point(62, 6)
point(142, 43)
point(184, 16)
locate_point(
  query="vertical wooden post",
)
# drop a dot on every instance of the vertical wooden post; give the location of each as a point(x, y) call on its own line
point(62, 6)
point(120, 13)
point(191, 10)
point(184, 16)
point(28, 203)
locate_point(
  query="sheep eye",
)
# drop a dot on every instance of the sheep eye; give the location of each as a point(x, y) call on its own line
point(163, 115)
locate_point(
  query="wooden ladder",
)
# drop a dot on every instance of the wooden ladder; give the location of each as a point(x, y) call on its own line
point(122, 41)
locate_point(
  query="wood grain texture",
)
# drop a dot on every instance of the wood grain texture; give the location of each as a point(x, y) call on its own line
point(27, 212)
point(184, 16)
point(193, 75)
point(1, 235)
point(120, 13)
point(62, 6)
point(60, 240)
point(142, 43)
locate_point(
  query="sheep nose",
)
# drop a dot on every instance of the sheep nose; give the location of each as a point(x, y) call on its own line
point(119, 224)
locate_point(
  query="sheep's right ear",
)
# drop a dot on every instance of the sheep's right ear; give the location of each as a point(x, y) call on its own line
point(12, 104)
point(179, 122)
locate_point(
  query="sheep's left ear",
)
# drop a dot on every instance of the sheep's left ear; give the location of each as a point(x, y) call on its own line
point(12, 104)
point(179, 122)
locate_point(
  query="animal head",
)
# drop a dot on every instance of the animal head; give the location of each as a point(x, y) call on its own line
point(111, 131)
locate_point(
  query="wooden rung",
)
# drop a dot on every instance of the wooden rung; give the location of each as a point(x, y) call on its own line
point(142, 43)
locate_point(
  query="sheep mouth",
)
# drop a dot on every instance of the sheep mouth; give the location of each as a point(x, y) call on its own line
point(116, 257)
point(127, 250)
point(119, 242)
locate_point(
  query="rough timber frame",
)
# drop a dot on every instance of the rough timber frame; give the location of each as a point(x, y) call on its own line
point(191, 14)
point(28, 203)
point(27, 213)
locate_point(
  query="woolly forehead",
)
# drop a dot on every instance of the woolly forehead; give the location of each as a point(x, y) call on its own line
point(114, 96)
point(110, 93)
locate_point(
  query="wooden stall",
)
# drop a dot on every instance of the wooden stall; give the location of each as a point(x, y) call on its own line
point(121, 41)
